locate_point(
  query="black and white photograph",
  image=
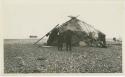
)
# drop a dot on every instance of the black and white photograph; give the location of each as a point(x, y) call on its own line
point(62, 36)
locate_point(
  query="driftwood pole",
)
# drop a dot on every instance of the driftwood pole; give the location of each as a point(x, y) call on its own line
point(45, 35)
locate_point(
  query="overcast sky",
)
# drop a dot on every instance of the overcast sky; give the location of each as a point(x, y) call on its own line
point(37, 17)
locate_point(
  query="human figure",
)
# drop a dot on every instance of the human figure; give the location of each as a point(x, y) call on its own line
point(91, 38)
point(60, 41)
point(68, 39)
point(101, 39)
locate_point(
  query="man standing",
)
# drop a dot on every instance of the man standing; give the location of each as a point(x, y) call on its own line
point(68, 39)
point(60, 41)
point(101, 38)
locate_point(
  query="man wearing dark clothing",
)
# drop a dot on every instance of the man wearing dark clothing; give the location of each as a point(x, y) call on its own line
point(91, 38)
point(68, 39)
point(102, 40)
point(60, 41)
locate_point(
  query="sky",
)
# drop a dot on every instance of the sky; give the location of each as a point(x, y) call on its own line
point(37, 17)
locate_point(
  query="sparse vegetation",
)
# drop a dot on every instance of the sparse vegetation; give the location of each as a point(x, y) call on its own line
point(26, 58)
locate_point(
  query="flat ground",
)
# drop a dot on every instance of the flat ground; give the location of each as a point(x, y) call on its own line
point(21, 56)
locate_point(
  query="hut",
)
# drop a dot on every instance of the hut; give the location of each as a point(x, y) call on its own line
point(83, 32)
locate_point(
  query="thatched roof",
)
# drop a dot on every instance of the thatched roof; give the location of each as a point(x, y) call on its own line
point(80, 28)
